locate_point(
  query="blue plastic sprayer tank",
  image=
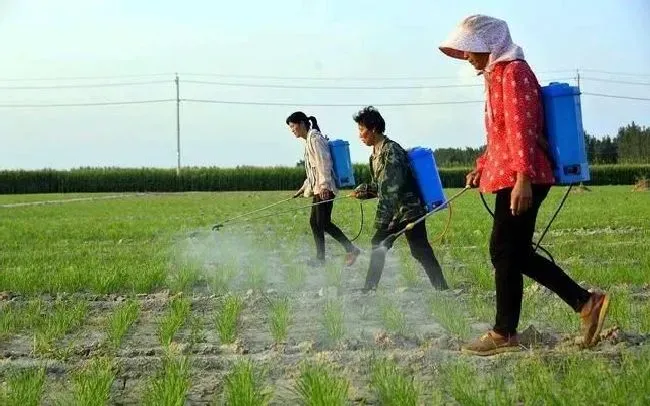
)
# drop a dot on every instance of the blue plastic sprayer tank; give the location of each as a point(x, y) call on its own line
point(423, 164)
point(563, 117)
point(343, 170)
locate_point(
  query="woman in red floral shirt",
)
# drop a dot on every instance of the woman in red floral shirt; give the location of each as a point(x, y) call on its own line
point(516, 168)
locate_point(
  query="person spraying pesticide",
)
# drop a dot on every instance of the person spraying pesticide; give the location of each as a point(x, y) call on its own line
point(518, 169)
point(320, 185)
point(399, 202)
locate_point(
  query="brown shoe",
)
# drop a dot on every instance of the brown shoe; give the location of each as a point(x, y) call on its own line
point(491, 343)
point(592, 316)
point(351, 257)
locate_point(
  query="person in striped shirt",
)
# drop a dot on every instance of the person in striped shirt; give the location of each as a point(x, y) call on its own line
point(320, 186)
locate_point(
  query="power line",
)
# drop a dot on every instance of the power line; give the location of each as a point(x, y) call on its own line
point(64, 78)
point(256, 103)
point(624, 82)
point(253, 103)
point(616, 73)
point(116, 103)
point(89, 85)
point(279, 86)
point(613, 96)
point(342, 78)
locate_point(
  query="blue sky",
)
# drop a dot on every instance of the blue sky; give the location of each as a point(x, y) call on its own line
point(286, 38)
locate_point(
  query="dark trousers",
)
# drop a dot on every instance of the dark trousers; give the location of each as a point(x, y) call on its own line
point(512, 256)
point(321, 223)
point(420, 249)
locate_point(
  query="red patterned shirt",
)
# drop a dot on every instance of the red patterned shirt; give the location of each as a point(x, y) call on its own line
point(515, 123)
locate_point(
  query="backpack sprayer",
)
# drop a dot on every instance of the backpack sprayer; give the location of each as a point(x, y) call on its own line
point(427, 177)
point(566, 143)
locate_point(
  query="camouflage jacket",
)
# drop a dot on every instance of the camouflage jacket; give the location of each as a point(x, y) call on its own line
point(393, 183)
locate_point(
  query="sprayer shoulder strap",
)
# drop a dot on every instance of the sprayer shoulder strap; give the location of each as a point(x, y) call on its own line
point(543, 140)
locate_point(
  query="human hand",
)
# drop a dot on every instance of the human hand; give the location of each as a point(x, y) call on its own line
point(521, 197)
point(326, 194)
point(473, 178)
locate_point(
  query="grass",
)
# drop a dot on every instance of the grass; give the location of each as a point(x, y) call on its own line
point(318, 385)
point(92, 384)
point(23, 387)
point(177, 313)
point(121, 320)
point(333, 320)
point(559, 380)
point(243, 386)
point(171, 382)
point(280, 319)
point(227, 318)
point(123, 246)
point(393, 386)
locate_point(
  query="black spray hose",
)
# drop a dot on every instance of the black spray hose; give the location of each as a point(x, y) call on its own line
point(361, 225)
point(548, 226)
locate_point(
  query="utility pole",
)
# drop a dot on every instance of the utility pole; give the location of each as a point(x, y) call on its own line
point(178, 127)
point(578, 77)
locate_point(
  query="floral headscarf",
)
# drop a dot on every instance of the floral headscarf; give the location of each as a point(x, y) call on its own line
point(480, 33)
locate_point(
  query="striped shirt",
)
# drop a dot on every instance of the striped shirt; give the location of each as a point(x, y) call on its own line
point(318, 165)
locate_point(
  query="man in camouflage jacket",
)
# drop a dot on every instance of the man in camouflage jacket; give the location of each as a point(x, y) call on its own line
point(399, 202)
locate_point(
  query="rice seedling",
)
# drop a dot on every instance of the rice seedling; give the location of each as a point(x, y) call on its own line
point(333, 320)
point(179, 309)
point(227, 318)
point(197, 335)
point(221, 279)
point(334, 275)
point(170, 384)
point(92, 384)
point(121, 320)
point(65, 317)
point(255, 277)
point(184, 276)
point(23, 387)
point(408, 272)
point(295, 276)
point(393, 386)
point(243, 386)
point(318, 385)
point(451, 314)
point(18, 317)
point(280, 318)
point(393, 319)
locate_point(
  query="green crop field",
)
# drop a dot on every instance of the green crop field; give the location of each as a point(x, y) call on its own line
point(132, 299)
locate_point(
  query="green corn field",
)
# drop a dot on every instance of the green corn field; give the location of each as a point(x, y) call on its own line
point(96, 180)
